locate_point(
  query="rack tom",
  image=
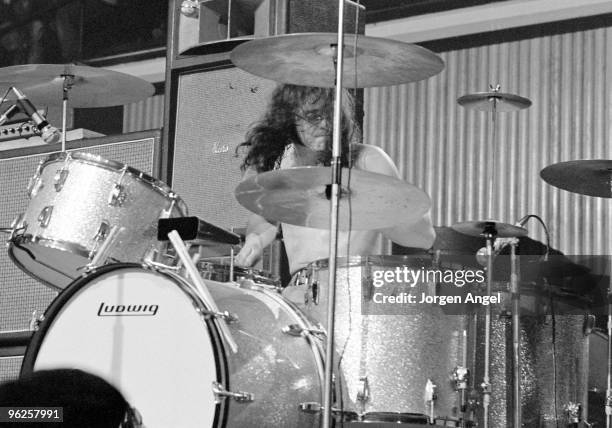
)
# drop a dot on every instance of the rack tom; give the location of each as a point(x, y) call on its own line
point(75, 200)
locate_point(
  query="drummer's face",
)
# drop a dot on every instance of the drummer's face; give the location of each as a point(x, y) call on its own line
point(313, 127)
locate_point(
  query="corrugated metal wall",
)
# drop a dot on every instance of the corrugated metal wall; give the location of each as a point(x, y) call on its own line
point(143, 115)
point(442, 147)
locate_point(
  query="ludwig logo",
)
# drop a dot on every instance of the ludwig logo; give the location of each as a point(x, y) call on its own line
point(126, 310)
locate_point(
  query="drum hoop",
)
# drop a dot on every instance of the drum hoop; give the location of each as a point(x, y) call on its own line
point(56, 244)
point(111, 165)
point(19, 241)
point(29, 358)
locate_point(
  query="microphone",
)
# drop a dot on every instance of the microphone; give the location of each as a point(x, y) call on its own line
point(499, 244)
point(49, 134)
point(10, 112)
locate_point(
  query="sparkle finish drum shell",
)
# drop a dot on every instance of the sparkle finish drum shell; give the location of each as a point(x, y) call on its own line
point(75, 200)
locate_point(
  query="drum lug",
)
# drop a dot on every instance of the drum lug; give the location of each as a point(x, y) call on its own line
point(221, 394)
point(102, 232)
point(460, 378)
point(45, 216)
point(117, 196)
point(60, 179)
point(36, 320)
point(363, 393)
point(226, 316)
point(588, 324)
point(99, 237)
point(34, 186)
point(430, 398)
point(35, 183)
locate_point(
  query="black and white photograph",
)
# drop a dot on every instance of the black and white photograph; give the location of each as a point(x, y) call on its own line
point(306, 213)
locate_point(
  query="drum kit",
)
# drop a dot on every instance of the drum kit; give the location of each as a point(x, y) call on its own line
point(204, 343)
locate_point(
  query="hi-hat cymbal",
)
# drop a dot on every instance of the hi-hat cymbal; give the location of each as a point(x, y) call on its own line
point(587, 177)
point(307, 59)
point(300, 196)
point(496, 228)
point(485, 101)
point(91, 87)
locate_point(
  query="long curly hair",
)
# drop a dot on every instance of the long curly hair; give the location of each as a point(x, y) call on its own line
point(266, 140)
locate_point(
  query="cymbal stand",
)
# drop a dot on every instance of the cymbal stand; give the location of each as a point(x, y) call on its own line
point(493, 153)
point(66, 86)
point(608, 405)
point(490, 237)
point(489, 234)
point(336, 167)
point(516, 330)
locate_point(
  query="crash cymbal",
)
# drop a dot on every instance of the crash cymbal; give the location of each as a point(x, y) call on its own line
point(498, 229)
point(484, 101)
point(586, 177)
point(307, 59)
point(300, 196)
point(92, 87)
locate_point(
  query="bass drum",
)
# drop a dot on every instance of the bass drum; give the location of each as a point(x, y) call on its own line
point(146, 333)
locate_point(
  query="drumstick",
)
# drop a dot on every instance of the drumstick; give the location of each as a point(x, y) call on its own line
point(200, 285)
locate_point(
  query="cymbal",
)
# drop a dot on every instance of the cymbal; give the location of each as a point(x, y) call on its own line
point(92, 87)
point(499, 229)
point(307, 59)
point(484, 101)
point(586, 177)
point(299, 196)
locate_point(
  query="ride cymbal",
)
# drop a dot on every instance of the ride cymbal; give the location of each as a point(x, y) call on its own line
point(300, 196)
point(586, 177)
point(308, 59)
point(90, 87)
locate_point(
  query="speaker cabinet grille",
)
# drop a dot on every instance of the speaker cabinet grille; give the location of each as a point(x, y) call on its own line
point(215, 108)
point(20, 294)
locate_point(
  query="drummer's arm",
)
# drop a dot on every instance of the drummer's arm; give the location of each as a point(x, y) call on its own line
point(260, 233)
point(416, 233)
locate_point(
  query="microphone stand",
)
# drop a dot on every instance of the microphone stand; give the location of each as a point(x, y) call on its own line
point(66, 86)
point(336, 171)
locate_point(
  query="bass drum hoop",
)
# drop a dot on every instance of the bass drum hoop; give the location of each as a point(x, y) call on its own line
point(221, 364)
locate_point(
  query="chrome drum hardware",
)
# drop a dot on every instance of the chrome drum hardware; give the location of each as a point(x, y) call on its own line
point(75, 200)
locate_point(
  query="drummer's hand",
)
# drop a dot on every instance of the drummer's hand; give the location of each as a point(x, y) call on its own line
point(251, 251)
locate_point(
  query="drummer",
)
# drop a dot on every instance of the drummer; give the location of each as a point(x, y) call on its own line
point(296, 130)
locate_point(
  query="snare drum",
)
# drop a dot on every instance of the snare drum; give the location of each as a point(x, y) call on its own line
point(75, 200)
point(220, 271)
point(146, 333)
